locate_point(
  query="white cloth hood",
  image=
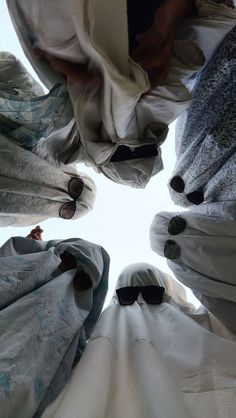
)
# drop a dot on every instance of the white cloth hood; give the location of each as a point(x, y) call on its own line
point(144, 274)
point(141, 274)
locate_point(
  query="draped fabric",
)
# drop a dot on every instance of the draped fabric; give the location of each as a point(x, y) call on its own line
point(32, 190)
point(44, 319)
point(123, 110)
point(36, 130)
point(42, 123)
point(202, 254)
point(206, 132)
point(154, 361)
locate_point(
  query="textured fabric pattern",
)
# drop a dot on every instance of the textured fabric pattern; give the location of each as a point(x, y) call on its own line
point(40, 122)
point(28, 121)
point(15, 80)
point(43, 319)
point(206, 132)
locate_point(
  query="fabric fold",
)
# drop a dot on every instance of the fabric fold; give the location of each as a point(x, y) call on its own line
point(123, 108)
point(205, 260)
point(153, 361)
point(44, 320)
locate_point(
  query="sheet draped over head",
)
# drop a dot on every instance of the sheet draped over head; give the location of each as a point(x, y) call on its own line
point(122, 109)
point(206, 134)
point(200, 246)
point(152, 361)
point(32, 190)
point(36, 131)
point(45, 319)
point(148, 275)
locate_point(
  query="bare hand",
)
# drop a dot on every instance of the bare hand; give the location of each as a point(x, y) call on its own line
point(36, 234)
point(75, 73)
point(154, 54)
point(156, 45)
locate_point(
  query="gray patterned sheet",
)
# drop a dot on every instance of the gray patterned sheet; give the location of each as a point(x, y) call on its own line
point(206, 132)
point(44, 320)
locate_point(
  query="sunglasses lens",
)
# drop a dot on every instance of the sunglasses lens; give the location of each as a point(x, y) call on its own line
point(153, 294)
point(82, 281)
point(171, 250)
point(75, 187)
point(127, 295)
point(176, 225)
point(68, 261)
point(67, 210)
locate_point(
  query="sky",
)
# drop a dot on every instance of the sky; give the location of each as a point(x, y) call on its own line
point(121, 218)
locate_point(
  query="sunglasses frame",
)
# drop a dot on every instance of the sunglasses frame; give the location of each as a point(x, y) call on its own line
point(78, 181)
point(134, 292)
point(176, 225)
point(68, 206)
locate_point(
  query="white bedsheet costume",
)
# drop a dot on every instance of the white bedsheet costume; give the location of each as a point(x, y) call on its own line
point(153, 361)
point(123, 110)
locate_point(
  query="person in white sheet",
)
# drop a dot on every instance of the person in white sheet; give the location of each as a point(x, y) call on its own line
point(32, 190)
point(33, 187)
point(200, 246)
point(122, 120)
point(152, 354)
point(206, 133)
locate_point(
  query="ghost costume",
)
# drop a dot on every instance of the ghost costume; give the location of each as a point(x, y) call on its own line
point(121, 123)
point(206, 134)
point(200, 246)
point(153, 361)
point(32, 190)
point(45, 317)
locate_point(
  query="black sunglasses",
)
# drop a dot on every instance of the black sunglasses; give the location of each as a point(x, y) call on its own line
point(68, 210)
point(151, 294)
point(176, 225)
point(82, 281)
point(75, 189)
point(68, 261)
point(125, 153)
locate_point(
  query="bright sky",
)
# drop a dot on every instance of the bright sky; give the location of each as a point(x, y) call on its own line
point(122, 216)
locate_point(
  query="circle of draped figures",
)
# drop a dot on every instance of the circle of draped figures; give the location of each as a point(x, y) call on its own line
point(118, 73)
